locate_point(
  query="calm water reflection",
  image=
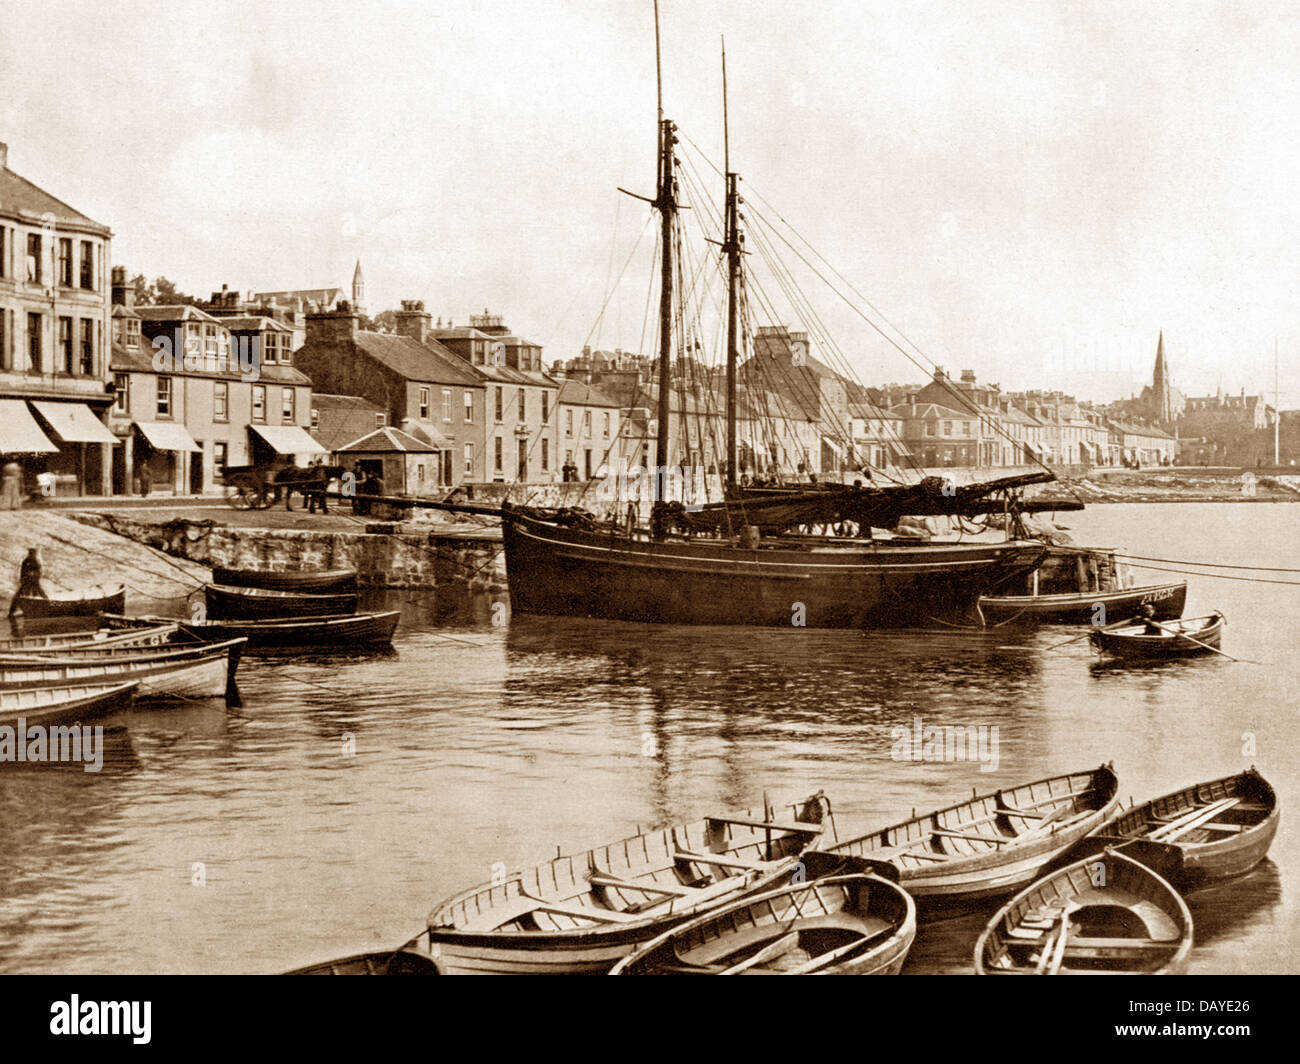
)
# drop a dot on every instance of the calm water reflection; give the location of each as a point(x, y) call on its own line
point(251, 839)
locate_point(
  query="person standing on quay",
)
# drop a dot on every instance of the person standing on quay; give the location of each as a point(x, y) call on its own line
point(146, 478)
point(11, 486)
point(29, 579)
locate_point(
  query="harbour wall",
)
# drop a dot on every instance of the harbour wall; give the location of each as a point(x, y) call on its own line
point(385, 555)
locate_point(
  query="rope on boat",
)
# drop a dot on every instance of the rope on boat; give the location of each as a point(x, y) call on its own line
point(1211, 565)
point(1224, 576)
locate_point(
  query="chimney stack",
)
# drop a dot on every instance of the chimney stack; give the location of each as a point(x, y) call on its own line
point(333, 326)
point(413, 320)
point(123, 293)
point(4, 155)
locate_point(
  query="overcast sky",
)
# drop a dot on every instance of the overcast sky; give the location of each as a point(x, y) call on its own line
point(1032, 190)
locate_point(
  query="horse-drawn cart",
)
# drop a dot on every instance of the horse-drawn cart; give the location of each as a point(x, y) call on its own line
point(257, 487)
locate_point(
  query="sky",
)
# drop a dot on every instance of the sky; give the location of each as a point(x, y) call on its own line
point(1030, 190)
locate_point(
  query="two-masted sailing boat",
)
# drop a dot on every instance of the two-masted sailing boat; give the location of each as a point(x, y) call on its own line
point(741, 561)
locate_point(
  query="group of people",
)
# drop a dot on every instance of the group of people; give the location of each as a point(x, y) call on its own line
point(318, 477)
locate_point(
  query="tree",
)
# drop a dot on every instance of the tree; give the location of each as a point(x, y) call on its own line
point(160, 291)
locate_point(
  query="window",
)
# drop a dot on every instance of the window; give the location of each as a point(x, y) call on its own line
point(568, 423)
point(947, 428)
point(34, 258)
point(4, 261)
point(35, 331)
point(132, 332)
point(546, 453)
point(932, 428)
point(446, 404)
point(121, 393)
point(607, 423)
point(287, 411)
point(270, 348)
point(87, 346)
point(65, 262)
point(546, 407)
point(965, 428)
point(523, 405)
point(220, 401)
point(210, 342)
point(87, 265)
point(469, 407)
point(500, 404)
point(498, 456)
point(469, 459)
point(379, 420)
point(586, 423)
point(164, 397)
point(315, 418)
point(419, 472)
point(523, 461)
point(259, 402)
point(64, 363)
point(219, 453)
point(424, 404)
point(117, 330)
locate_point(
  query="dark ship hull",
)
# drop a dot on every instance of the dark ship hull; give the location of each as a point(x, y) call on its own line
point(554, 569)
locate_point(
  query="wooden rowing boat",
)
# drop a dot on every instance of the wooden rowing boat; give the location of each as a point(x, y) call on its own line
point(301, 580)
point(1081, 585)
point(73, 603)
point(844, 925)
point(1106, 914)
point(64, 705)
point(204, 670)
point(253, 603)
point(1201, 834)
point(582, 912)
point(991, 844)
point(1196, 635)
point(342, 632)
point(384, 962)
point(97, 640)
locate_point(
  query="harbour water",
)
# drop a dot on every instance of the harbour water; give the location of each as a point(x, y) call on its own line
point(346, 795)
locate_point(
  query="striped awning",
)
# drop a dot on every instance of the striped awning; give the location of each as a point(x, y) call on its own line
point(73, 422)
point(19, 433)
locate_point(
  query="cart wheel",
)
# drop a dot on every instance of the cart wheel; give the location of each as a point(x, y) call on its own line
point(264, 498)
point(238, 496)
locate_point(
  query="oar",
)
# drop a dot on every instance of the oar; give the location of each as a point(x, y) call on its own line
point(1184, 635)
point(1067, 642)
point(781, 945)
point(409, 942)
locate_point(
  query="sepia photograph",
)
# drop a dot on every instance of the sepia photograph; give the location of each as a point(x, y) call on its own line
point(648, 487)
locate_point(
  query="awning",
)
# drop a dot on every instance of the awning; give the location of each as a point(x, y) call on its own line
point(828, 442)
point(19, 433)
point(167, 436)
point(73, 422)
point(289, 439)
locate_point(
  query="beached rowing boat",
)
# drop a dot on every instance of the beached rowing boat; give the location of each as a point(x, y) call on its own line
point(991, 844)
point(1106, 914)
point(203, 670)
point(98, 640)
point(1198, 835)
point(72, 603)
point(844, 925)
point(584, 911)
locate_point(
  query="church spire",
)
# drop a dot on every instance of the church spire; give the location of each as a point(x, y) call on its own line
point(1162, 399)
point(358, 290)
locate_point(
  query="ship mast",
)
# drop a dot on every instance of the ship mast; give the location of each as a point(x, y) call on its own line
point(731, 246)
point(665, 202)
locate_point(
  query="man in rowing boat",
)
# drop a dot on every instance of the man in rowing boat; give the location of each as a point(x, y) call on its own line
point(1146, 616)
point(29, 579)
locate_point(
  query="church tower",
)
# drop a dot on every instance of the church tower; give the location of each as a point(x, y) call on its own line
point(1162, 397)
point(358, 290)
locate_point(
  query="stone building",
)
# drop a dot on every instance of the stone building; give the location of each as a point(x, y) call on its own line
point(54, 326)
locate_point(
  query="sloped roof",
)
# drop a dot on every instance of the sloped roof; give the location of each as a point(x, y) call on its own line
point(330, 401)
point(18, 196)
point(928, 410)
point(175, 312)
point(388, 440)
point(414, 360)
point(248, 322)
point(579, 393)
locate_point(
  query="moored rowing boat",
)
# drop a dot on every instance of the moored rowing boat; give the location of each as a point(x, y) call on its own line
point(72, 603)
point(301, 580)
point(1203, 833)
point(64, 705)
point(383, 962)
point(843, 925)
point(96, 640)
point(583, 912)
point(204, 670)
point(341, 632)
point(991, 844)
point(1106, 914)
point(1195, 635)
point(254, 603)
